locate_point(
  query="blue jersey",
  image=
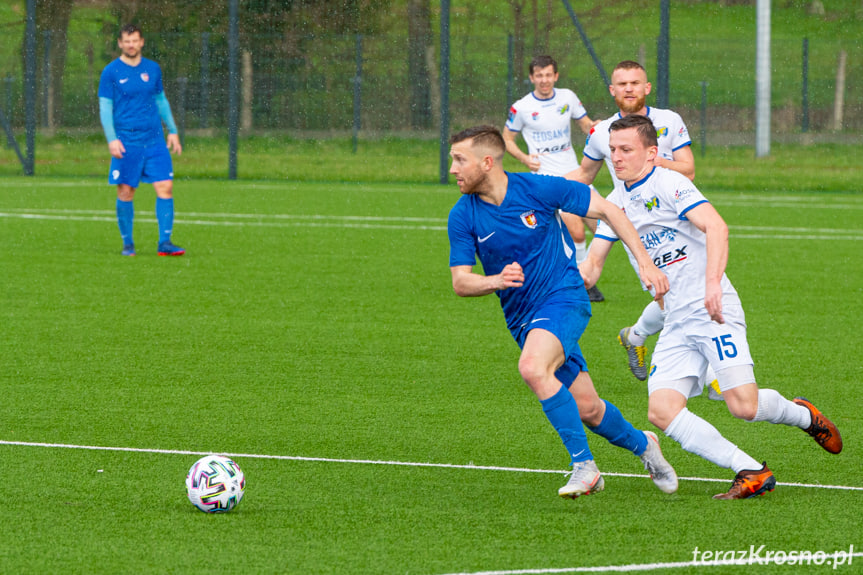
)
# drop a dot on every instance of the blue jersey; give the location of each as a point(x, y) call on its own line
point(526, 228)
point(133, 90)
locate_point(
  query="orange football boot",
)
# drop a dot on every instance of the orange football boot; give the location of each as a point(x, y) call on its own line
point(749, 483)
point(822, 429)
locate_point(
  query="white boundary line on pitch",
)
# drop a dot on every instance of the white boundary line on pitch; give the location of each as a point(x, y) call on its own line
point(180, 220)
point(30, 212)
point(384, 462)
point(381, 222)
point(112, 213)
point(631, 568)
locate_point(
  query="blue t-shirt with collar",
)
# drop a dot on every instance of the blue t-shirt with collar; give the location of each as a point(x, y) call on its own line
point(133, 91)
point(526, 228)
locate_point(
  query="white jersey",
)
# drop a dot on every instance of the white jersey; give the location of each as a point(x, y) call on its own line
point(546, 127)
point(671, 134)
point(657, 207)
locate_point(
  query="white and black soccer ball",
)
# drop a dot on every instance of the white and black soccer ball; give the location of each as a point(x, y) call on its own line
point(215, 484)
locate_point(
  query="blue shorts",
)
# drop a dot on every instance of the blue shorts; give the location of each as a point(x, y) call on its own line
point(142, 164)
point(565, 314)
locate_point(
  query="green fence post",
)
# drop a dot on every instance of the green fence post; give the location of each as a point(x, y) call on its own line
point(444, 91)
point(804, 125)
point(358, 77)
point(30, 87)
point(233, 88)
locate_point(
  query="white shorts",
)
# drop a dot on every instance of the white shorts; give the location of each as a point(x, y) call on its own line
point(685, 350)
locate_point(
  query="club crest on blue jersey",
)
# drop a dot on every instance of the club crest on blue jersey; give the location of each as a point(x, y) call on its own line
point(145, 76)
point(529, 219)
point(652, 203)
point(663, 131)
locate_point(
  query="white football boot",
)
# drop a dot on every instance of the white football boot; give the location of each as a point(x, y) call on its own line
point(585, 479)
point(660, 470)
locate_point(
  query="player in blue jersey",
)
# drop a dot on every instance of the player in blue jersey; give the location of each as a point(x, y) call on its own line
point(511, 221)
point(132, 107)
point(705, 325)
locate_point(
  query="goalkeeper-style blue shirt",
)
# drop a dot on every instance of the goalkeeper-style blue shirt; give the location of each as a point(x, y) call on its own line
point(133, 90)
point(526, 228)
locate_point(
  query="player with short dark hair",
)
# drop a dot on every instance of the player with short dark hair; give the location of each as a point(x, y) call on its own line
point(629, 88)
point(511, 222)
point(132, 107)
point(705, 324)
point(543, 118)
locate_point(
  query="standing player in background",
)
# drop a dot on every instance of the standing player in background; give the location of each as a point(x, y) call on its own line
point(705, 323)
point(629, 87)
point(543, 118)
point(511, 222)
point(132, 107)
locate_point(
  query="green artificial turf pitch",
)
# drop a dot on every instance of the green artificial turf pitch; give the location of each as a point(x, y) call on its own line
point(316, 322)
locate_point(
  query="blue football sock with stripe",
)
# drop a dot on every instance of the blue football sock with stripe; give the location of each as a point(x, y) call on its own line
point(618, 431)
point(165, 217)
point(562, 411)
point(125, 215)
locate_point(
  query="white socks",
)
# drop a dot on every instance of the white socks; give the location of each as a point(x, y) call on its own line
point(774, 408)
point(651, 321)
point(697, 436)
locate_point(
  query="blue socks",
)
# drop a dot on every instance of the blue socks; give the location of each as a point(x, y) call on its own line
point(125, 215)
point(618, 431)
point(562, 411)
point(165, 217)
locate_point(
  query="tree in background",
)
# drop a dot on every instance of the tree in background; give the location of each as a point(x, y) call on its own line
point(419, 45)
point(276, 35)
point(518, 64)
point(52, 22)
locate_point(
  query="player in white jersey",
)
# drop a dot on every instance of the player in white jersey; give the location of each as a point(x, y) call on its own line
point(629, 87)
point(544, 118)
point(671, 133)
point(705, 324)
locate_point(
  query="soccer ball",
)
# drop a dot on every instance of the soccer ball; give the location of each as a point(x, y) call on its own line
point(215, 484)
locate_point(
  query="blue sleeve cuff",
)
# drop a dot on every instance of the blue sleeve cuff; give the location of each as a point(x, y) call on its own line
point(682, 215)
point(600, 236)
point(106, 114)
point(165, 112)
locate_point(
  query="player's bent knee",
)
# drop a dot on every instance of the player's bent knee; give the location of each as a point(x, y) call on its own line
point(744, 410)
point(659, 417)
point(663, 407)
point(532, 371)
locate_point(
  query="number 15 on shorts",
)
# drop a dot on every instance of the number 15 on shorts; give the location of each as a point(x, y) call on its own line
point(725, 348)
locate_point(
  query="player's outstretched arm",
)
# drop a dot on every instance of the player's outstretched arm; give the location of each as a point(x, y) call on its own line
point(707, 219)
point(466, 283)
point(652, 278)
point(591, 267)
point(586, 172)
